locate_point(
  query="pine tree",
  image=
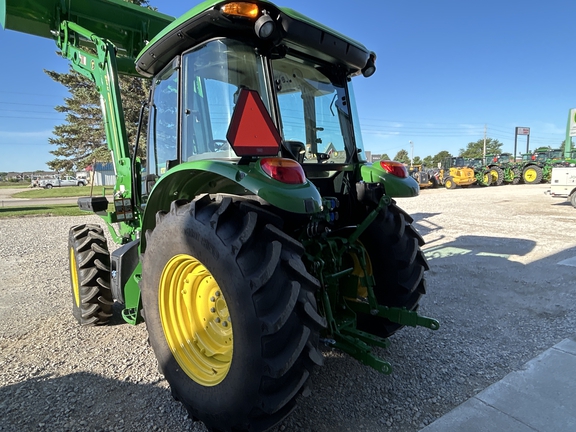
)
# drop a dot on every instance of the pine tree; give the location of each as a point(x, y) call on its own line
point(81, 140)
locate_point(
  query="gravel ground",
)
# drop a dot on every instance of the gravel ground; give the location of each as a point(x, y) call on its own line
point(495, 285)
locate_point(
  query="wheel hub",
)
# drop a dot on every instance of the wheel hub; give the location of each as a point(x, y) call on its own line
point(530, 174)
point(74, 276)
point(196, 320)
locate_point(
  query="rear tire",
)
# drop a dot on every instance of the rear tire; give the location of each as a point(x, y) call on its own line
point(89, 262)
point(212, 261)
point(573, 199)
point(517, 176)
point(532, 174)
point(398, 266)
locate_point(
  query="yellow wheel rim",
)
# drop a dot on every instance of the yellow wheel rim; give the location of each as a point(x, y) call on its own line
point(486, 178)
point(448, 184)
point(74, 277)
point(195, 320)
point(530, 174)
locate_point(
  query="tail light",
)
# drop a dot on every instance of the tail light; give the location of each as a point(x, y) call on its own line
point(284, 170)
point(395, 168)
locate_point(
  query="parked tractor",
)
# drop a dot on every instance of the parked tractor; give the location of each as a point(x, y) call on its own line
point(454, 172)
point(536, 166)
point(254, 229)
point(509, 170)
point(481, 172)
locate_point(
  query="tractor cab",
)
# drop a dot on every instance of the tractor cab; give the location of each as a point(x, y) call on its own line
point(300, 105)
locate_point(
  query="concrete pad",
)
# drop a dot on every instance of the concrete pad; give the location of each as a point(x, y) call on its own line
point(567, 345)
point(568, 262)
point(539, 397)
point(475, 416)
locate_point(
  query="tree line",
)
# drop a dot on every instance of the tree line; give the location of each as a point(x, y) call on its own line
point(473, 150)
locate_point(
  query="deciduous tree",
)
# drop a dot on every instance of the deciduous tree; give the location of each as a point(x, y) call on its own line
point(476, 149)
point(402, 156)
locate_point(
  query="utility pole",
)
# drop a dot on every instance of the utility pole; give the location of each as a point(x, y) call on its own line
point(484, 152)
point(411, 152)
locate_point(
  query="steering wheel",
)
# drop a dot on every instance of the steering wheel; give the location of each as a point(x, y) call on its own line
point(218, 145)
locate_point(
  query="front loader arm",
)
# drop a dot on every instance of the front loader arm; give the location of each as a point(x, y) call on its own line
point(101, 68)
point(101, 39)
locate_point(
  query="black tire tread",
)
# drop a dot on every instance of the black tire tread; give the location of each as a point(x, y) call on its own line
point(282, 294)
point(93, 270)
point(399, 264)
point(539, 174)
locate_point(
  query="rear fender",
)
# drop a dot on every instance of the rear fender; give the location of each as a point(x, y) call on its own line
point(190, 179)
point(394, 187)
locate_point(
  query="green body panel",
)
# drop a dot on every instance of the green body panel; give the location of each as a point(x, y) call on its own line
point(395, 187)
point(191, 179)
point(125, 25)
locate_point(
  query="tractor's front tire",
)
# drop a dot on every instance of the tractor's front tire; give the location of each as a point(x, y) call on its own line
point(398, 265)
point(89, 262)
point(497, 175)
point(449, 183)
point(230, 311)
point(486, 179)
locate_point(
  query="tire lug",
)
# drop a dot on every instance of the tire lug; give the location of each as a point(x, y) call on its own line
point(217, 293)
point(217, 320)
point(212, 310)
point(225, 323)
point(213, 299)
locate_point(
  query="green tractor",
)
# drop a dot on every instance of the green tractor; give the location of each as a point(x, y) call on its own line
point(509, 171)
point(254, 230)
point(536, 166)
point(482, 174)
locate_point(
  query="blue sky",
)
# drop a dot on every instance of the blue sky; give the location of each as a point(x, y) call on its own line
point(446, 69)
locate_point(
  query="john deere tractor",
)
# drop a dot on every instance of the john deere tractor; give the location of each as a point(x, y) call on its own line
point(254, 229)
point(482, 173)
point(536, 166)
point(505, 166)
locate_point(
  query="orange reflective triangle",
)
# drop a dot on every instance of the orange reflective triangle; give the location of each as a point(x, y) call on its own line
point(251, 131)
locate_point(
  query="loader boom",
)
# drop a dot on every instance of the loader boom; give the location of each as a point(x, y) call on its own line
point(127, 26)
point(101, 39)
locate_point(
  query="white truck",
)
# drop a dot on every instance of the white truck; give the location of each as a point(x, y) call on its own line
point(563, 184)
point(58, 181)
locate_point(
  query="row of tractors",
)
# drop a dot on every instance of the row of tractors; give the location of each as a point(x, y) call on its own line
point(494, 170)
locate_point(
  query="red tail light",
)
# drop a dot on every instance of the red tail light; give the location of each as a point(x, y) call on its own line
point(395, 168)
point(284, 170)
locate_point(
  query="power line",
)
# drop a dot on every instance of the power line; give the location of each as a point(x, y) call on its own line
point(28, 104)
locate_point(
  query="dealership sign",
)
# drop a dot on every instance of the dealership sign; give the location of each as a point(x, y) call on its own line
point(522, 131)
point(572, 125)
